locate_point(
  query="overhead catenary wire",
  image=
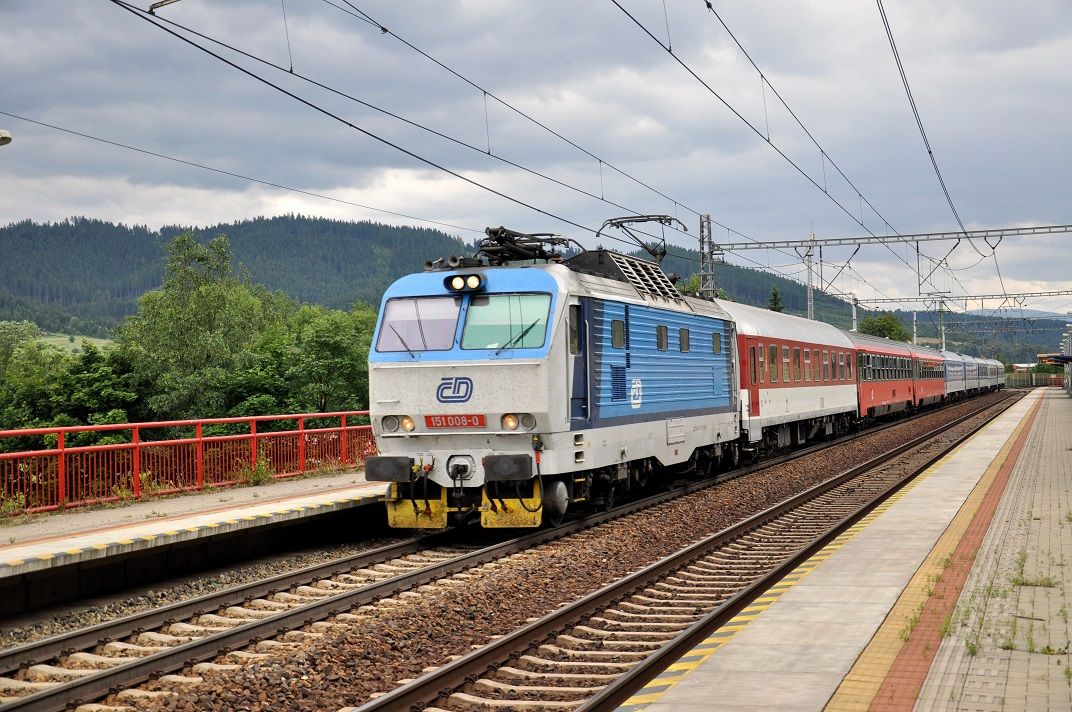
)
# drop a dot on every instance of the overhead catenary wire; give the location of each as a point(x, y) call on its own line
point(232, 174)
point(415, 124)
point(915, 113)
point(138, 12)
point(365, 18)
point(355, 11)
point(927, 143)
point(755, 129)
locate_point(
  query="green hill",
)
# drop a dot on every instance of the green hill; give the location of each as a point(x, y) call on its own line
point(83, 276)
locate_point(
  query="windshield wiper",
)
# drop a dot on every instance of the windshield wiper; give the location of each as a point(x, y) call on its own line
point(404, 344)
point(517, 338)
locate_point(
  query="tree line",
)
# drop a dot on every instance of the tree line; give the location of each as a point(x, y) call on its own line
point(207, 342)
point(85, 276)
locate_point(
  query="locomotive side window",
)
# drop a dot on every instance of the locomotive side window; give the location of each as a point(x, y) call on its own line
point(762, 364)
point(617, 334)
point(773, 364)
point(752, 363)
point(716, 345)
point(848, 367)
point(419, 324)
point(661, 338)
point(683, 340)
point(575, 328)
point(500, 321)
point(807, 365)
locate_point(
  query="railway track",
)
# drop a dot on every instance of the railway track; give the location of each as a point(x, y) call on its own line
point(595, 653)
point(86, 665)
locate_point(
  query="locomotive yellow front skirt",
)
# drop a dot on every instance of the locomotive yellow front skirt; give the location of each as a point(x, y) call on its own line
point(416, 513)
point(510, 512)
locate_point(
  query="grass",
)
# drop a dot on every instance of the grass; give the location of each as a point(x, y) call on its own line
point(259, 474)
point(947, 626)
point(71, 343)
point(1020, 580)
point(1041, 582)
point(13, 504)
point(910, 623)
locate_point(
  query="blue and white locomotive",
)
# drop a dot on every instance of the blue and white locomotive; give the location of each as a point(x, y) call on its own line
point(506, 393)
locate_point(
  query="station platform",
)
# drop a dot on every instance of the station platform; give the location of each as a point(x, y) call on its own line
point(953, 595)
point(43, 554)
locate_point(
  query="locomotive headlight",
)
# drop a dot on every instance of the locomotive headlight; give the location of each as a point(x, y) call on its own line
point(457, 282)
point(407, 423)
point(509, 422)
point(472, 281)
point(528, 421)
point(389, 423)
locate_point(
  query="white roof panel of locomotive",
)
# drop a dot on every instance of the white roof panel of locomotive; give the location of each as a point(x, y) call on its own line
point(753, 321)
point(617, 290)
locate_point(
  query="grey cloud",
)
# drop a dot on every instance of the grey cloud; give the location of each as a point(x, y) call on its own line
point(989, 79)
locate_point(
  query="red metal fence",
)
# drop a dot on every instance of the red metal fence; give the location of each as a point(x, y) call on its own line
point(41, 471)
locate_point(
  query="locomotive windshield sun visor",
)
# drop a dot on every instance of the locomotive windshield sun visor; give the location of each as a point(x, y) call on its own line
point(388, 468)
point(507, 468)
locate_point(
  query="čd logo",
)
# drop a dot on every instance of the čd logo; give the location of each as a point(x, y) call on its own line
point(454, 389)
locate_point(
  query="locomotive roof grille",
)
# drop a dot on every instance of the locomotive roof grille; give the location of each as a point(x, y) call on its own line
point(646, 277)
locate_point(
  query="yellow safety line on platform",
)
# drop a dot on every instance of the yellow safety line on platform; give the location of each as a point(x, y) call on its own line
point(697, 656)
point(859, 687)
point(297, 509)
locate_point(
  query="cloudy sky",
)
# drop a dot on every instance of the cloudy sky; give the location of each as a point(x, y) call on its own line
point(991, 80)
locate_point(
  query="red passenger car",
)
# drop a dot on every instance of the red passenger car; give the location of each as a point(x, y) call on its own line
point(885, 375)
point(928, 367)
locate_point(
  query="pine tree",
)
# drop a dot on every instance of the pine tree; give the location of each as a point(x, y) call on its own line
point(775, 303)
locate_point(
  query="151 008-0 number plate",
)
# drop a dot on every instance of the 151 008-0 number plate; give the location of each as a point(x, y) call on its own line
point(454, 421)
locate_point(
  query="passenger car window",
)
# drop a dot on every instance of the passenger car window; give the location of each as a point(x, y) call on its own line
point(785, 364)
point(773, 364)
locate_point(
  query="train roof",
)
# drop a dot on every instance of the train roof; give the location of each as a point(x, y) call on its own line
point(879, 344)
point(754, 321)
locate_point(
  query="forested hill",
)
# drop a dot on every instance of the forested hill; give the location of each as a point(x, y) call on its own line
point(83, 276)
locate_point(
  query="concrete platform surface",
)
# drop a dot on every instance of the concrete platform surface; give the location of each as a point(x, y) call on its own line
point(1009, 646)
point(62, 538)
point(792, 650)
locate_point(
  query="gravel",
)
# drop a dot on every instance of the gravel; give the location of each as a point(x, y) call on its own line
point(396, 639)
point(49, 622)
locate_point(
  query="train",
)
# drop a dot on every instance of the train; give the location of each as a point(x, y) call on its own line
point(511, 386)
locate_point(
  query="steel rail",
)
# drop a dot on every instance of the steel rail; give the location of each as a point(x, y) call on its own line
point(428, 688)
point(12, 659)
point(100, 684)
